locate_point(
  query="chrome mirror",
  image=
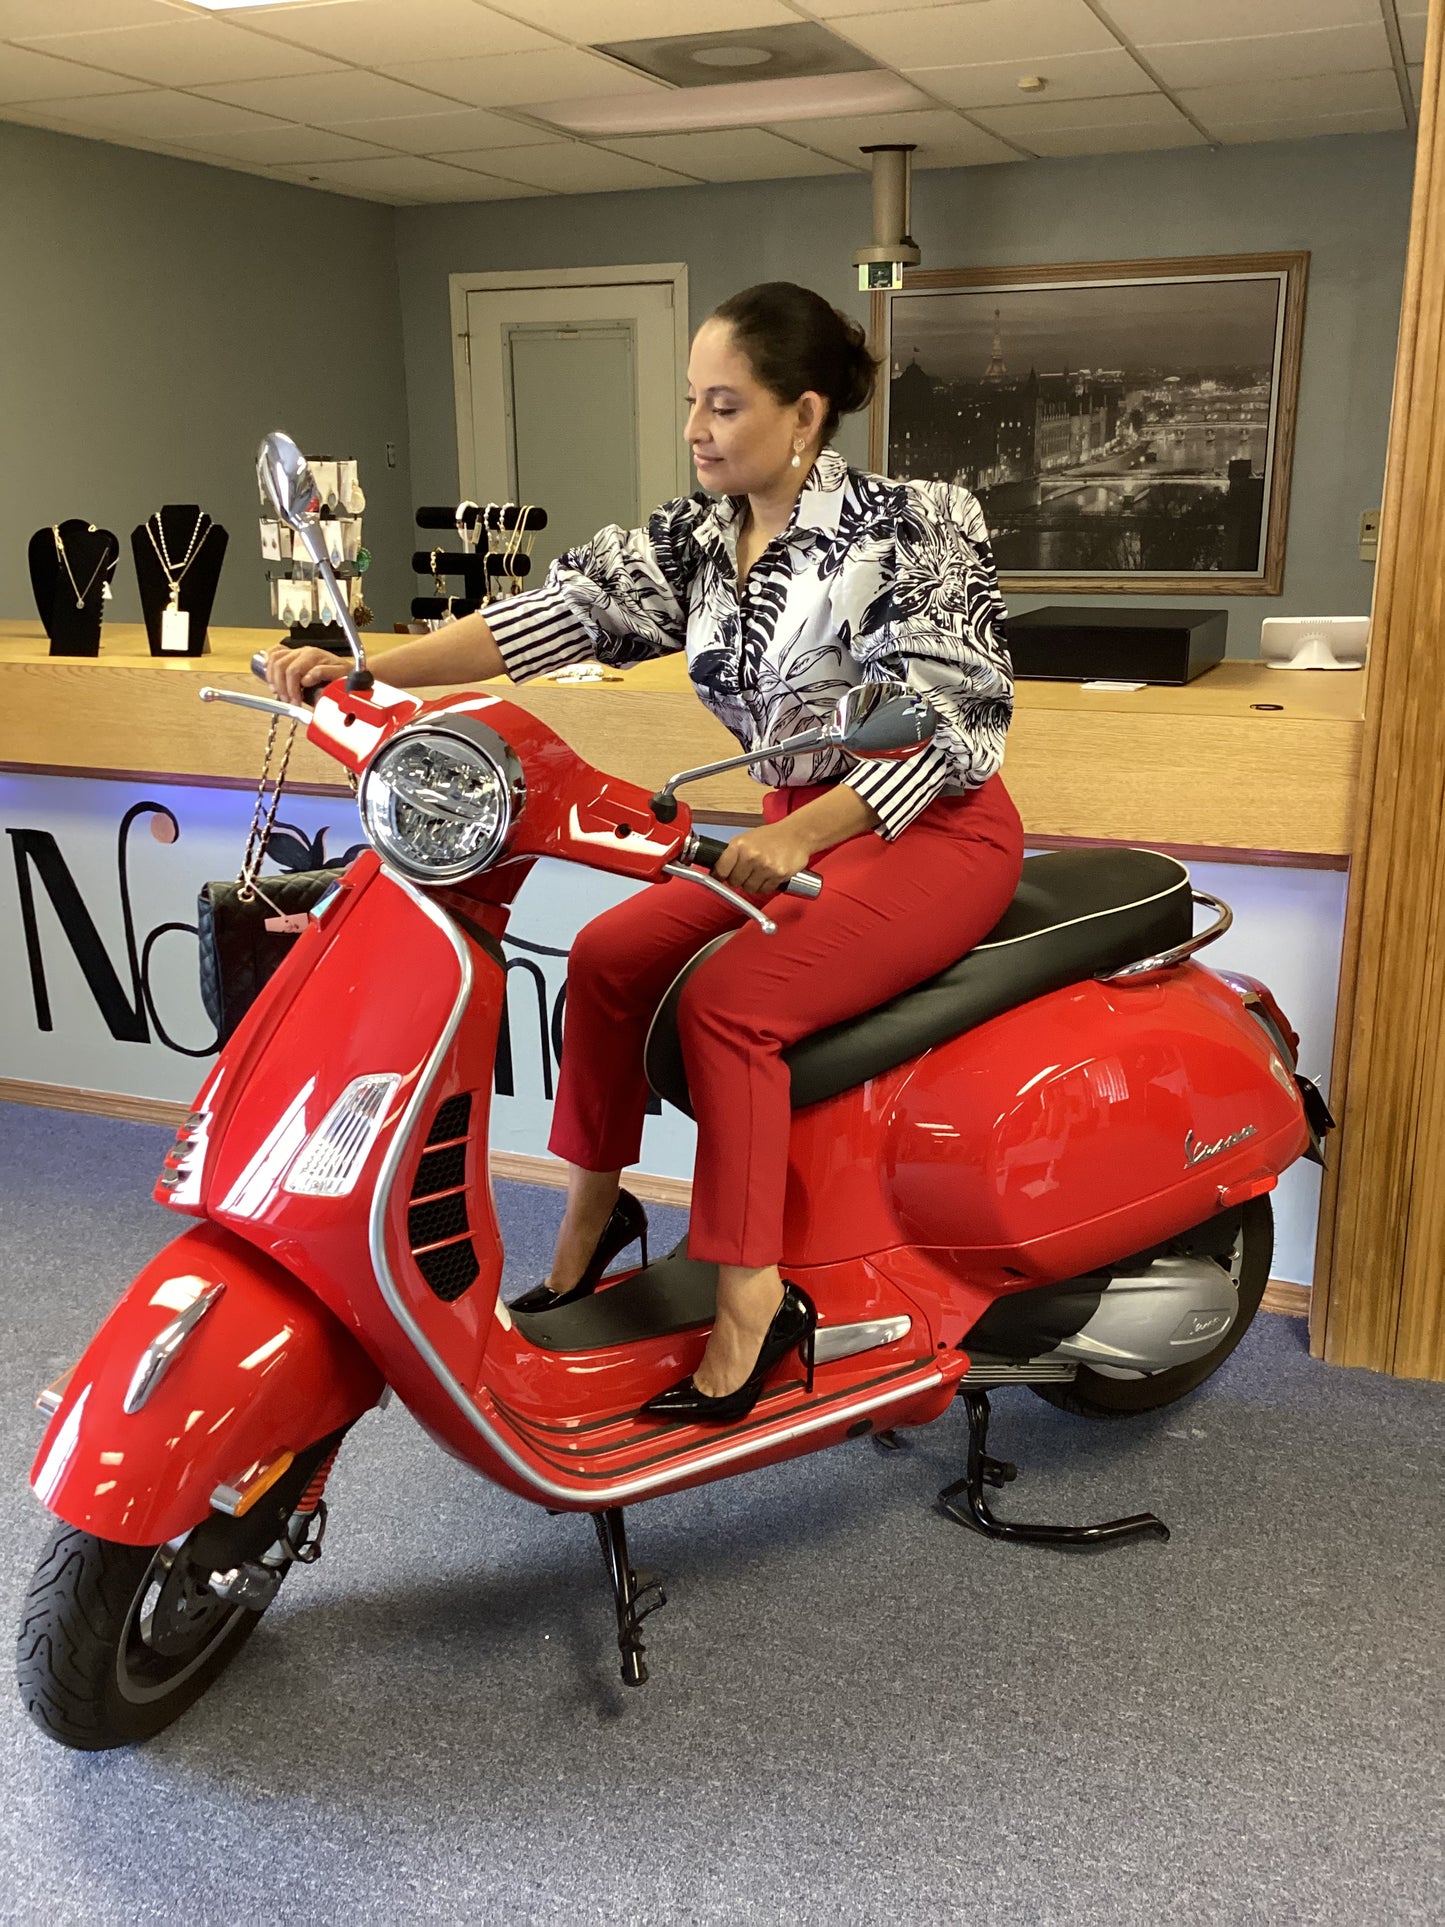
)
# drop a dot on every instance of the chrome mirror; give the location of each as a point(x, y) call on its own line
point(882, 723)
point(287, 484)
point(286, 481)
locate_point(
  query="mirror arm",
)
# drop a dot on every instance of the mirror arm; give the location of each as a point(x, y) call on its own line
point(664, 803)
point(360, 678)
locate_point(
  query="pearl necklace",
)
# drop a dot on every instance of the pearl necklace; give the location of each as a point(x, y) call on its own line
point(158, 543)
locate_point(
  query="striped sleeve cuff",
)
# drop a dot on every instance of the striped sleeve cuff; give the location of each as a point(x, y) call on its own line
point(899, 792)
point(537, 634)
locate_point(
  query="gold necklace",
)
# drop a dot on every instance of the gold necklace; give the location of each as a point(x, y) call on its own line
point(79, 593)
point(158, 543)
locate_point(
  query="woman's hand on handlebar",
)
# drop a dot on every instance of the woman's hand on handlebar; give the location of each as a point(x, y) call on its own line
point(761, 861)
point(290, 672)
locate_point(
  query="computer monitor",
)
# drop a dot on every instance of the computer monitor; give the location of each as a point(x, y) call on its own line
point(1314, 642)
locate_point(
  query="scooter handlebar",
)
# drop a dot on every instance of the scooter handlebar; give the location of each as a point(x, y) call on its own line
point(707, 849)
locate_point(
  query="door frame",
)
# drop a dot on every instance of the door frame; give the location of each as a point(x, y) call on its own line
point(531, 280)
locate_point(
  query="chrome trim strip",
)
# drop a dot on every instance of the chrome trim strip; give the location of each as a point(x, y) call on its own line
point(592, 1497)
point(846, 1341)
point(158, 1357)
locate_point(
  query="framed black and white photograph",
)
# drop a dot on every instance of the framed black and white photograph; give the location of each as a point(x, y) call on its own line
point(1127, 426)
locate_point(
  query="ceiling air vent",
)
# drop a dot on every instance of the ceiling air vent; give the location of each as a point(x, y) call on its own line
point(754, 53)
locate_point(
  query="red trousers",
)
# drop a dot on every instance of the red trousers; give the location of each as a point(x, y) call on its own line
point(891, 915)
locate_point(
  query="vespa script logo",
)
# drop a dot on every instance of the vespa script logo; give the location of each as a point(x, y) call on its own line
point(1196, 1153)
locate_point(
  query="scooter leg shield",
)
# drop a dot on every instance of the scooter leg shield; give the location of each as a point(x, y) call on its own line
point(214, 1369)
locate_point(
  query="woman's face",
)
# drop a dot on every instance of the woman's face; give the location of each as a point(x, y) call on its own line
point(741, 436)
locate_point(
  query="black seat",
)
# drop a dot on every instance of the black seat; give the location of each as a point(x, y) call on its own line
point(1076, 914)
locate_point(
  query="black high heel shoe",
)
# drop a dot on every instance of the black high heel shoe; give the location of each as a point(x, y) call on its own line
point(628, 1221)
point(794, 1324)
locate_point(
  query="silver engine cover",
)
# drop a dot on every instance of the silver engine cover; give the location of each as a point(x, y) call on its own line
point(1174, 1312)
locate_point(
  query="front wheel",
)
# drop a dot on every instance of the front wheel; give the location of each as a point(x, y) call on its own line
point(117, 1641)
point(1096, 1395)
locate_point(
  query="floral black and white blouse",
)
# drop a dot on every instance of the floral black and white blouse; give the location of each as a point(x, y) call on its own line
point(871, 580)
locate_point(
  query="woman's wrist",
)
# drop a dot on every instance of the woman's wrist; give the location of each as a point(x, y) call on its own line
point(833, 818)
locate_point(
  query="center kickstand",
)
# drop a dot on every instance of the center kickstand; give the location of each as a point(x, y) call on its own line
point(636, 1595)
point(963, 1501)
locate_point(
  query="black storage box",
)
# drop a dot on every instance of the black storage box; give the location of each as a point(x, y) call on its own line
point(1116, 645)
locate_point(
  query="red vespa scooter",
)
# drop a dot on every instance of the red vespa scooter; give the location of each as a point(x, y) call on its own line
point(1047, 1166)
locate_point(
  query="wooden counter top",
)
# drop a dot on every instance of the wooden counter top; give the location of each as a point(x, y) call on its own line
point(1193, 768)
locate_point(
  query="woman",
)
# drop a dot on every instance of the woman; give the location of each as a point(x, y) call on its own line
point(789, 578)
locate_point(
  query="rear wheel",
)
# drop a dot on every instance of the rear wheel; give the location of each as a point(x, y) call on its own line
point(117, 1641)
point(1094, 1394)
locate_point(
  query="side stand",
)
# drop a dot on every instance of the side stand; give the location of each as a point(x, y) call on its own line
point(963, 1501)
point(636, 1595)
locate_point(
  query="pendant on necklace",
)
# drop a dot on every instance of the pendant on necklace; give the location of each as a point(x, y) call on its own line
point(175, 601)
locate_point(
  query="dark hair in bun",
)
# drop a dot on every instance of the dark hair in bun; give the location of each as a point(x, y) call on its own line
point(796, 342)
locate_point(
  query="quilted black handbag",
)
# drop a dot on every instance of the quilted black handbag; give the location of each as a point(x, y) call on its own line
point(247, 925)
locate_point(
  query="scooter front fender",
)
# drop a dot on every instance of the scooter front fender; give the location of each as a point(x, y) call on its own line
point(145, 1433)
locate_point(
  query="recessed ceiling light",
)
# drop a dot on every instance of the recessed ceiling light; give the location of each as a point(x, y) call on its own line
point(732, 56)
point(739, 103)
point(235, 6)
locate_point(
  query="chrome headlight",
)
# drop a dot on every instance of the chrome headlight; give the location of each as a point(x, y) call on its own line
point(441, 799)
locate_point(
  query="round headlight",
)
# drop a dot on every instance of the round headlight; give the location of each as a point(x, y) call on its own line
point(440, 800)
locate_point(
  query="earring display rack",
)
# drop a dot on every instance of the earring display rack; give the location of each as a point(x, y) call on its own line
point(299, 597)
point(488, 568)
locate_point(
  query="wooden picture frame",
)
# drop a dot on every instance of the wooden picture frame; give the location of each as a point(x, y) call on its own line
point(1067, 462)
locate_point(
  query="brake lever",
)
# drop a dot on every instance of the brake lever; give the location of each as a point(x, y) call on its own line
point(764, 923)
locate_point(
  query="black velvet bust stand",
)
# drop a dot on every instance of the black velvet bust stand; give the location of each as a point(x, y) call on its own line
point(92, 554)
point(199, 583)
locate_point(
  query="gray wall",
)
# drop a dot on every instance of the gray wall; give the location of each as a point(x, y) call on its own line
point(156, 318)
point(1345, 199)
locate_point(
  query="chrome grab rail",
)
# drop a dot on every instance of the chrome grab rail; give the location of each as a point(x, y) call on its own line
point(1166, 959)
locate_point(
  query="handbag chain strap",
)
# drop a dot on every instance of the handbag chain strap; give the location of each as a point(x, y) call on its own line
point(263, 817)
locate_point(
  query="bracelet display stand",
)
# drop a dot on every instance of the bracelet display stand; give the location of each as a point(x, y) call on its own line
point(71, 566)
point(299, 598)
point(500, 566)
point(178, 554)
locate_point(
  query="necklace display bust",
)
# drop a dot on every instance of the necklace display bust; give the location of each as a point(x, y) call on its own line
point(71, 564)
point(178, 555)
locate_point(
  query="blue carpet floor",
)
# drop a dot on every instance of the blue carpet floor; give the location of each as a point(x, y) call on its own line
point(858, 1712)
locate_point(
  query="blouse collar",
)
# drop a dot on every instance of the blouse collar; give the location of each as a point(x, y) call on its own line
point(819, 507)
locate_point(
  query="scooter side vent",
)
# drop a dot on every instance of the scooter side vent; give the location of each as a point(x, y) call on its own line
point(437, 1225)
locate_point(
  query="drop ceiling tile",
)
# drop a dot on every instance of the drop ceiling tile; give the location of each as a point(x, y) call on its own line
point(1022, 122)
point(1369, 120)
point(957, 35)
point(21, 17)
point(739, 154)
point(589, 21)
point(378, 33)
point(843, 9)
point(280, 144)
point(1155, 23)
point(449, 132)
point(572, 167)
point(155, 114)
point(30, 76)
point(994, 83)
point(1412, 34)
point(1271, 56)
point(1275, 100)
point(942, 139)
point(512, 80)
point(323, 99)
point(1060, 143)
point(188, 53)
point(400, 177)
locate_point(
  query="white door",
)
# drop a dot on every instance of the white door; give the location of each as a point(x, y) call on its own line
point(570, 397)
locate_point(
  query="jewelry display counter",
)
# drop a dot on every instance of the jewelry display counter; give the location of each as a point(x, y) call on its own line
point(1246, 763)
point(121, 794)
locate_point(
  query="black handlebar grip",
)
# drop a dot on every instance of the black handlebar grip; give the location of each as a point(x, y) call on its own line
point(707, 850)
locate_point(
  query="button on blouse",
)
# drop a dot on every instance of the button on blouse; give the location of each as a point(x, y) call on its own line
point(872, 580)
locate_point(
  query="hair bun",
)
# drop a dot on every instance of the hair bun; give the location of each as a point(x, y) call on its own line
point(859, 368)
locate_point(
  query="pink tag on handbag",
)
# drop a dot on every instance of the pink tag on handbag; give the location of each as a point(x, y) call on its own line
point(292, 926)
